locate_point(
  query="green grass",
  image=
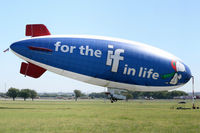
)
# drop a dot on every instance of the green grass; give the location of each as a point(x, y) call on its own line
point(97, 117)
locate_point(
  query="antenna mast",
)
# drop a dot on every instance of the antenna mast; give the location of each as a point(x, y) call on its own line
point(193, 100)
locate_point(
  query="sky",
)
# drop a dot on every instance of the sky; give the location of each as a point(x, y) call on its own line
point(172, 25)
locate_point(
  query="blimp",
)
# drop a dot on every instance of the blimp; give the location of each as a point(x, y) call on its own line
point(103, 61)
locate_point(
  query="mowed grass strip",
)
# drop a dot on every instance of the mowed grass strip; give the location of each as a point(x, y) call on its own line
point(95, 116)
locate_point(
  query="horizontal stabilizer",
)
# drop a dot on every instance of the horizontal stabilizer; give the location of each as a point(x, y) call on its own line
point(36, 30)
point(31, 70)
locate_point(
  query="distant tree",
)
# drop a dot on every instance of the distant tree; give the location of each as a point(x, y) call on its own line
point(24, 93)
point(178, 93)
point(159, 94)
point(97, 95)
point(129, 96)
point(77, 94)
point(137, 94)
point(33, 94)
point(12, 92)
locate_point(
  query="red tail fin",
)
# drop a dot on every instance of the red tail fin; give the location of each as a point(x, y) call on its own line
point(31, 70)
point(36, 30)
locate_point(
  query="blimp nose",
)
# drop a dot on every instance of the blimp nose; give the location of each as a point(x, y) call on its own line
point(187, 74)
point(182, 70)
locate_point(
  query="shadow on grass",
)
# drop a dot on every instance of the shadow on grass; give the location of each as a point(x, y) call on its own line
point(1, 108)
point(62, 108)
point(14, 108)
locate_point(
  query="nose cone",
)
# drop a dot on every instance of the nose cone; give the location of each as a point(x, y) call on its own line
point(182, 70)
point(187, 74)
point(182, 73)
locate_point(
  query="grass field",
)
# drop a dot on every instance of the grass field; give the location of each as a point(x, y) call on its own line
point(95, 116)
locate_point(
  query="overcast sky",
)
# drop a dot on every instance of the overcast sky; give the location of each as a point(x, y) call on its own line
point(172, 25)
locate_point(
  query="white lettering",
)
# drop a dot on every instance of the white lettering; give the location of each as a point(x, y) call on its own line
point(81, 50)
point(149, 73)
point(64, 48)
point(72, 49)
point(98, 53)
point(113, 59)
point(109, 59)
point(57, 45)
point(88, 50)
point(155, 75)
point(144, 73)
point(116, 58)
point(125, 69)
point(131, 70)
point(140, 73)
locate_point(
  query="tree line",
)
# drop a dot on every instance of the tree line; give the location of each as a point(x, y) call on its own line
point(23, 93)
point(159, 94)
point(141, 95)
point(28, 93)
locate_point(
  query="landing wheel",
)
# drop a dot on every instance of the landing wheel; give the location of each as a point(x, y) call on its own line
point(112, 100)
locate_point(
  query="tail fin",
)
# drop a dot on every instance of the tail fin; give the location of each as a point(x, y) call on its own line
point(29, 69)
point(34, 30)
